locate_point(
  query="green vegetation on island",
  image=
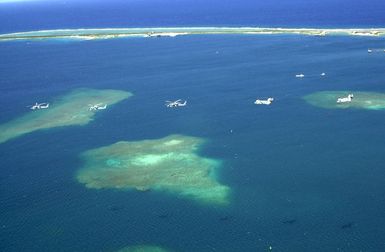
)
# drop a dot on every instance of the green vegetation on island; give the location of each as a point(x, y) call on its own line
point(71, 109)
point(360, 100)
point(167, 164)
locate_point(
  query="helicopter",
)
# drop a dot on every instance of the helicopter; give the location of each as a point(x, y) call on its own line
point(97, 106)
point(43, 105)
point(264, 102)
point(177, 103)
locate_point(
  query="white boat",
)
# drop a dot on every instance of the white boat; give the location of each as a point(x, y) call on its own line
point(299, 75)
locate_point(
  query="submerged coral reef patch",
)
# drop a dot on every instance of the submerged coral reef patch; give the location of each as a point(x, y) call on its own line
point(360, 100)
point(71, 109)
point(169, 164)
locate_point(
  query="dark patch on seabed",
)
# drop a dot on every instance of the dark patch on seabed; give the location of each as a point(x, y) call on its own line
point(289, 221)
point(347, 225)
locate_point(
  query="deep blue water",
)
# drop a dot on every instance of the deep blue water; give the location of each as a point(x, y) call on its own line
point(289, 161)
point(56, 14)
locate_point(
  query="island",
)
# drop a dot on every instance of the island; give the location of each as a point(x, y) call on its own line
point(169, 164)
point(111, 33)
point(361, 100)
point(71, 109)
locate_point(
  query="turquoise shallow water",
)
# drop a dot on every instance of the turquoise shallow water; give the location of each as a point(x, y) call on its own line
point(303, 178)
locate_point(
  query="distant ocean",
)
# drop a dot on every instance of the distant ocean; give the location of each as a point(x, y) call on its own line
point(302, 178)
point(56, 14)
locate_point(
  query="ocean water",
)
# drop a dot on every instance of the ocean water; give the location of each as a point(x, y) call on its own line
point(302, 178)
point(56, 14)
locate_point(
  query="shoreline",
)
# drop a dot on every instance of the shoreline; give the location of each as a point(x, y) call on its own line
point(111, 33)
